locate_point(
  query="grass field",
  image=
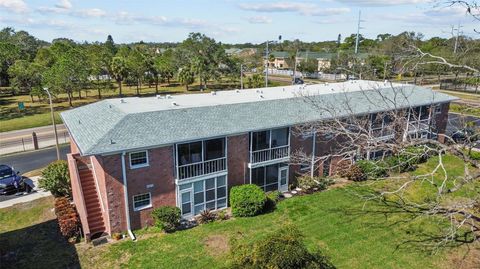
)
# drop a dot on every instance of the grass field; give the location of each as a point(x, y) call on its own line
point(37, 113)
point(353, 236)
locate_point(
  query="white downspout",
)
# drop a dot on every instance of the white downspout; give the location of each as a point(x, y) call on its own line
point(313, 152)
point(125, 192)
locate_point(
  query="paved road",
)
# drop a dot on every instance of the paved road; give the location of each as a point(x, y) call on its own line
point(28, 161)
point(28, 132)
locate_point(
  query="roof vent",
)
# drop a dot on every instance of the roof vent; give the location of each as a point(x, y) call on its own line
point(112, 142)
point(237, 91)
point(332, 89)
point(122, 101)
point(174, 103)
point(109, 106)
point(214, 93)
point(261, 96)
point(169, 96)
point(258, 91)
point(79, 122)
point(159, 96)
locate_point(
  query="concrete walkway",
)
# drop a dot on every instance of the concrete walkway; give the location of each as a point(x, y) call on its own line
point(23, 198)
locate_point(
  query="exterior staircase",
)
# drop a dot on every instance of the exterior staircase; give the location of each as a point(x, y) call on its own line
point(92, 202)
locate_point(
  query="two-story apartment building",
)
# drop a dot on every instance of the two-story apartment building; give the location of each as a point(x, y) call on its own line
point(134, 154)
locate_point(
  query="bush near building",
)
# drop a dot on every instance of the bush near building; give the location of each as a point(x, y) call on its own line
point(354, 173)
point(247, 200)
point(281, 249)
point(56, 179)
point(68, 219)
point(373, 169)
point(167, 218)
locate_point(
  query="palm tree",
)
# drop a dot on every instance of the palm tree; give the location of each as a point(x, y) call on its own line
point(186, 77)
point(119, 70)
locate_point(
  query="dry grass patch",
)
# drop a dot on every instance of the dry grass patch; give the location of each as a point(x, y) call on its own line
point(217, 244)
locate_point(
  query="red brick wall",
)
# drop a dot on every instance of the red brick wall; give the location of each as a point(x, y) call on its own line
point(112, 167)
point(238, 158)
point(441, 121)
point(73, 147)
point(160, 173)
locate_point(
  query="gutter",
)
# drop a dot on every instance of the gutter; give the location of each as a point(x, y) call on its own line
point(125, 192)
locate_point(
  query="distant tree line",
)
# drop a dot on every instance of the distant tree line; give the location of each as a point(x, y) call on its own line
point(28, 64)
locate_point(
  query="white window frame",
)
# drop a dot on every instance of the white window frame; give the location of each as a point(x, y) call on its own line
point(143, 206)
point(135, 166)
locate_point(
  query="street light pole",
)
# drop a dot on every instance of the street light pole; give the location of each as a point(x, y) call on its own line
point(53, 122)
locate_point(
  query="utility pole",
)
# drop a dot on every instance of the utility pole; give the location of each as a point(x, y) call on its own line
point(241, 76)
point(266, 66)
point(295, 68)
point(53, 122)
point(358, 31)
point(456, 38)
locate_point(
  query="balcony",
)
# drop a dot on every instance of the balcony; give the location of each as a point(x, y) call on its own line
point(270, 154)
point(202, 168)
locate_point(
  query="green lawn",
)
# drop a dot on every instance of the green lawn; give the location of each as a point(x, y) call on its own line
point(335, 220)
point(30, 238)
point(465, 109)
point(352, 235)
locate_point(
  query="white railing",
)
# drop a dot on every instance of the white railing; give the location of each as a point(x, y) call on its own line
point(270, 154)
point(202, 168)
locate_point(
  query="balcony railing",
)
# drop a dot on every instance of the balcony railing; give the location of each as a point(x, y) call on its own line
point(270, 154)
point(202, 168)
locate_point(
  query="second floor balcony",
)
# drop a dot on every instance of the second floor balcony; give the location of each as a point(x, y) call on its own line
point(269, 146)
point(201, 158)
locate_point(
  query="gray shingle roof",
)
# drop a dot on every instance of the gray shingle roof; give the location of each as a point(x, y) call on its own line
point(102, 128)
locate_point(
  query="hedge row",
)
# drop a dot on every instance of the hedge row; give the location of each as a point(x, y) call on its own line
point(68, 219)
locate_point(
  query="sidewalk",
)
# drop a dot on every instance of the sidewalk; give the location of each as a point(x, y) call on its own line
point(22, 140)
point(34, 195)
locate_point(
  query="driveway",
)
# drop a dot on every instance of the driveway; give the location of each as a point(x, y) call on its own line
point(10, 200)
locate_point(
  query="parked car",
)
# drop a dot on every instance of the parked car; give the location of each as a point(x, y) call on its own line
point(298, 81)
point(12, 182)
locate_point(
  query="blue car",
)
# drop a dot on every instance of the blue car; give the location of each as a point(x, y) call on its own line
point(11, 182)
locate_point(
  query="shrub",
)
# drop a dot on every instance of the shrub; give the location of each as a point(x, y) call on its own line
point(475, 155)
point(247, 200)
point(223, 215)
point(167, 218)
point(273, 198)
point(281, 249)
point(68, 219)
point(206, 216)
point(354, 173)
point(309, 183)
point(117, 236)
point(56, 179)
point(372, 169)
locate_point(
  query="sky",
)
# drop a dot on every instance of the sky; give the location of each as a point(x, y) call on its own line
point(229, 21)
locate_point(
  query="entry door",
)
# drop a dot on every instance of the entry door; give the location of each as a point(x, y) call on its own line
point(283, 179)
point(186, 202)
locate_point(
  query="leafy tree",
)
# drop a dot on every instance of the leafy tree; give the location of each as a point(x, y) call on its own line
point(68, 74)
point(119, 71)
point(309, 66)
point(110, 45)
point(99, 59)
point(186, 77)
point(25, 77)
point(136, 63)
point(165, 65)
point(205, 56)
